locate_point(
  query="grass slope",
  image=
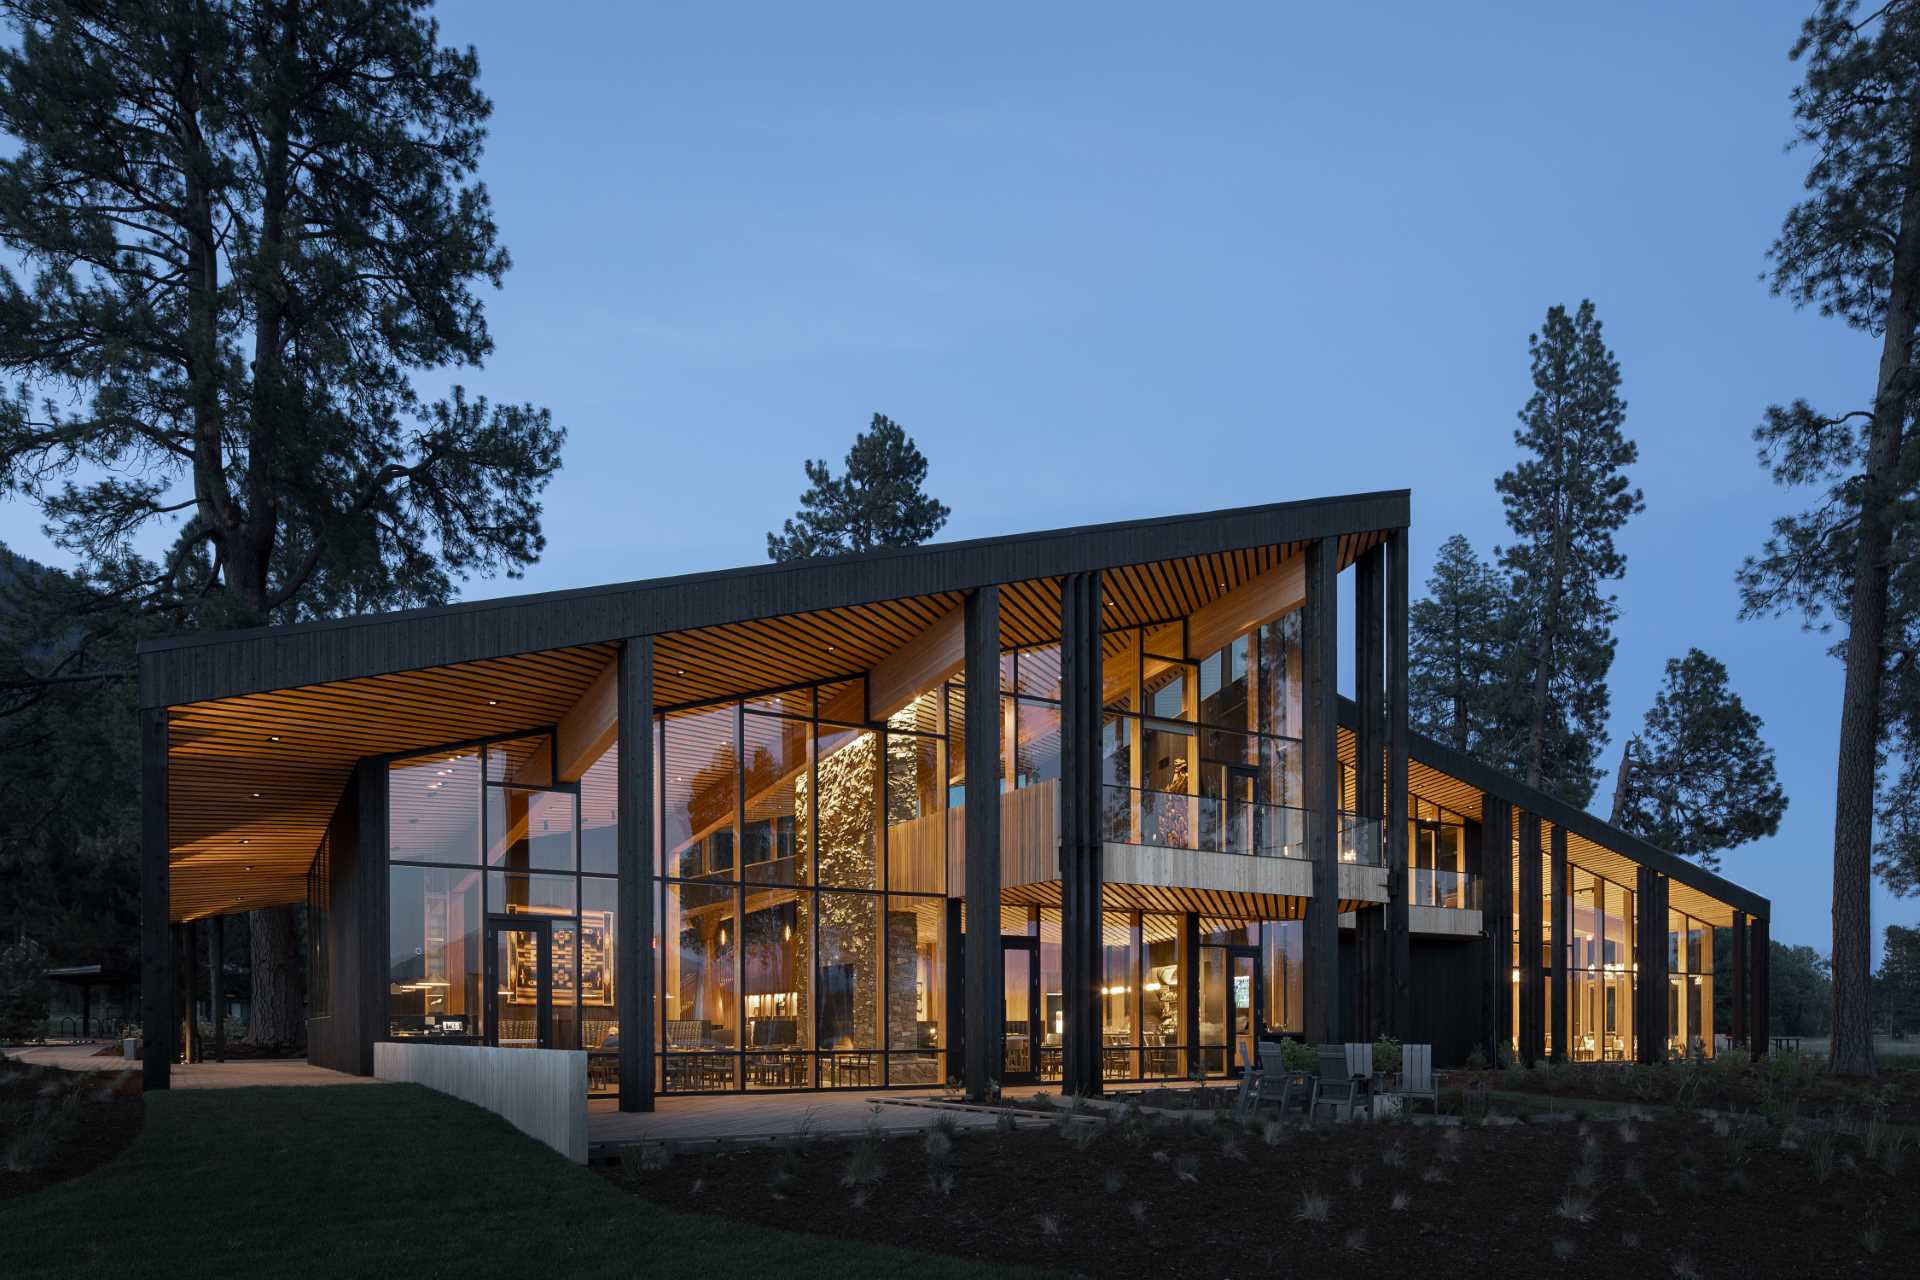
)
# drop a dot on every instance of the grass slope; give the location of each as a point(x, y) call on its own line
point(380, 1180)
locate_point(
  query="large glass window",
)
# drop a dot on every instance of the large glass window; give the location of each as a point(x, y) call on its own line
point(700, 782)
point(434, 962)
point(850, 779)
point(433, 808)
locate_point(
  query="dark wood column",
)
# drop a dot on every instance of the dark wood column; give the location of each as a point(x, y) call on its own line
point(1320, 782)
point(1759, 978)
point(1533, 1031)
point(634, 1002)
point(371, 910)
point(1650, 982)
point(1737, 1033)
point(1496, 882)
point(216, 985)
point(985, 1032)
point(189, 1025)
point(1082, 953)
point(156, 934)
point(1561, 936)
point(1372, 994)
point(1399, 887)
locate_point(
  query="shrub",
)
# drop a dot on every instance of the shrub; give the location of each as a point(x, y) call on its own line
point(1386, 1054)
point(1296, 1055)
point(23, 989)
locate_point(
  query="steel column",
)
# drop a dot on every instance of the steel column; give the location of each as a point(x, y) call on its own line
point(1320, 778)
point(1759, 979)
point(1082, 950)
point(985, 1030)
point(634, 783)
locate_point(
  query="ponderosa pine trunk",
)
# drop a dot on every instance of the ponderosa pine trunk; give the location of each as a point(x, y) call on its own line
point(1855, 777)
point(279, 1013)
point(1622, 782)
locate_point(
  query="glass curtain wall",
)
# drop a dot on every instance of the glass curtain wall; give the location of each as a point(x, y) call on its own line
point(1597, 964)
point(1689, 986)
point(802, 911)
point(1204, 753)
point(1437, 874)
point(484, 833)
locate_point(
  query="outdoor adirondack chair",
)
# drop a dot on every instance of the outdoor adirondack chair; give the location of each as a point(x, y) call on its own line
point(1279, 1086)
point(1416, 1074)
point(1333, 1085)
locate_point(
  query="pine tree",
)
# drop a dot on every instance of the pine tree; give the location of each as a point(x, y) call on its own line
point(244, 229)
point(878, 502)
point(1564, 503)
point(1454, 652)
point(1698, 779)
point(1852, 248)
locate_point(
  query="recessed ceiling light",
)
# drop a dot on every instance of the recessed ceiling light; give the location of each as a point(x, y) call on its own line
point(244, 840)
point(256, 795)
point(493, 702)
point(273, 737)
point(249, 867)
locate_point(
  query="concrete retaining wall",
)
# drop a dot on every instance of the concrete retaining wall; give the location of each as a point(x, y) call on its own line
point(541, 1092)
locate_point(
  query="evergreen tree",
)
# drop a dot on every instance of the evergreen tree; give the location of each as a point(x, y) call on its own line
point(1455, 653)
point(1852, 248)
point(244, 229)
point(1897, 985)
point(1564, 502)
point(878, 502)
point(1697, 779)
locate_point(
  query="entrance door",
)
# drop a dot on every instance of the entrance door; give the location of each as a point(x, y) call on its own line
point(1243, 834)
point(520, 982)
point(1244, 1018)
point(1020, 1010)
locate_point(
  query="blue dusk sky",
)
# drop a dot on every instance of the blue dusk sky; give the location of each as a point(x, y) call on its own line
point(1108, 261)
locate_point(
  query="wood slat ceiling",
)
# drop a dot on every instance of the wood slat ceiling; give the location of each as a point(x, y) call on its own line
point(233, 849)
point(253, 781)
point(1465, 799)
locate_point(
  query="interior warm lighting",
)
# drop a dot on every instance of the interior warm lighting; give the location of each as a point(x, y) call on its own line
point(493, 702)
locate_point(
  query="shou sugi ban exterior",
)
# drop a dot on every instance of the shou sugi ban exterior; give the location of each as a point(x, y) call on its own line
point(1075, 807)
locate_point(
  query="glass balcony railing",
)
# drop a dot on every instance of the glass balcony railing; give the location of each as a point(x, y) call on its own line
point(1215, 824)
point(1457, 889)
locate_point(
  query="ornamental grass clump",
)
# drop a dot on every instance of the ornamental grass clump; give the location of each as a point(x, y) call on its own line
point(1575, 1206)
point(1313, 1207)
point(1401, 1202)
point(1395, 1156)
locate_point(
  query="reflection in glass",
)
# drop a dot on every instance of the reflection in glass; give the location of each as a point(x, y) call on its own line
point(529, 830)
point(1160, 1026)
point(434, 961)
point(600, 814)
point(774, 842)
point(524, 762)
point(701, 946)
point(1036, 756)
point(916, 989)
point(599, 960)
point(1119, 993)
point(849, 973)
point(433, 808)
point(777, 964)
point(700, 786)
point(516, 893)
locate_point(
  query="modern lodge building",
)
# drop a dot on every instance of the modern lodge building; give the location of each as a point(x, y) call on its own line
point(738, 831)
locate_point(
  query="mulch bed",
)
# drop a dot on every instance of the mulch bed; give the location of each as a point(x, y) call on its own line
point(56, 1125)
point(1667, 1193)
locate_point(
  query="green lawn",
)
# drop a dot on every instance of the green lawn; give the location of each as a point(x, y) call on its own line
point(1885, 1048)
point(379, 1180)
